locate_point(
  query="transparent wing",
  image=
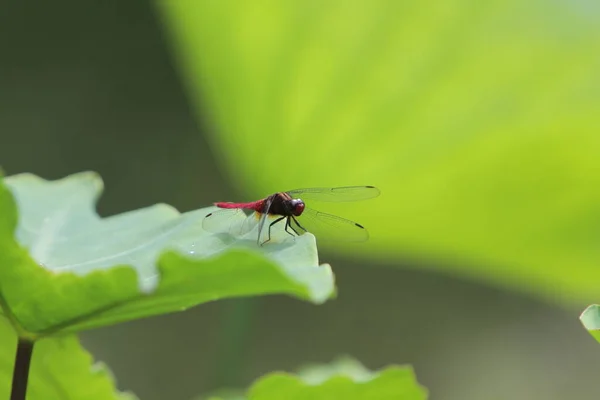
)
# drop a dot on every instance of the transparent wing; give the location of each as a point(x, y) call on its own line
point(329, 227)
point(337, 194)
point(263, 219)
point(233, 221)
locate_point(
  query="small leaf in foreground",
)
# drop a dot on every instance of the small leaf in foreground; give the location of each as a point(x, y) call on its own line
point(224, 394)
point(60, 369)
point(70, 270)
point(346, 366)
point(590, 318)
point(345, 379)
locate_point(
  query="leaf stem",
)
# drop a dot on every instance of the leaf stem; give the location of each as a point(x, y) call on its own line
point(21, 370)
point(235, 335)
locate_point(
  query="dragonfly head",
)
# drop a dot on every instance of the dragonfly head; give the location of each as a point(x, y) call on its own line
point(297, 207)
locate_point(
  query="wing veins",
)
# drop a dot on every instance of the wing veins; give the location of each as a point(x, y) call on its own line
point(337, 194)
point(332, 226)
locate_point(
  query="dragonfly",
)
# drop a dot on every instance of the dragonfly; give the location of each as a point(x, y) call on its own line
point(289, 208)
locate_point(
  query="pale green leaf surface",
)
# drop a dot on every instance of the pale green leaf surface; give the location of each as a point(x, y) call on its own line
point(477, 120)
point(590, 318)
point(60, 370)
point(75, 270)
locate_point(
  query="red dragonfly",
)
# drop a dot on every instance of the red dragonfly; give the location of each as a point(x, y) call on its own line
point(240, 218)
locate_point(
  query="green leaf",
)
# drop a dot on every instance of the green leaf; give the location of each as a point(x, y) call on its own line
point(590, 318)
point(224, 394)
point(347, 366)
point(60, 370)
point(72, 270)
point(477, 120)
point(344, 378)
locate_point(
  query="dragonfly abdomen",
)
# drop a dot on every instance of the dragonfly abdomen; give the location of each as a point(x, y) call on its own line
point(254, 205)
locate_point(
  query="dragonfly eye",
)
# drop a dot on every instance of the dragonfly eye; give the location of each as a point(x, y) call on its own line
point(298, 208)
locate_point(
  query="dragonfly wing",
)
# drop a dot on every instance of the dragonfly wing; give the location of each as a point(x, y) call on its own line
point(264, 218)
point(329, 227)
point(337, 194)
point(233, 221)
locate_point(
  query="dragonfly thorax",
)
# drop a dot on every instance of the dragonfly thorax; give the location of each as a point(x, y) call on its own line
point(283, 204)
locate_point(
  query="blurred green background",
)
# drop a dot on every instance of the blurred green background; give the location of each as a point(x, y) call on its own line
point(479, 122)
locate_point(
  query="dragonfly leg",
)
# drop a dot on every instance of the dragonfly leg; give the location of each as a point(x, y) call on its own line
point(269, 232)
point(298, 223)
point(288, 225)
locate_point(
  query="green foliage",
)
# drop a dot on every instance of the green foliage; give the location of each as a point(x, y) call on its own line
point(72, 270)
point(345, 379)
point(60, 370)
point(477, 120)
point(590, 318)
